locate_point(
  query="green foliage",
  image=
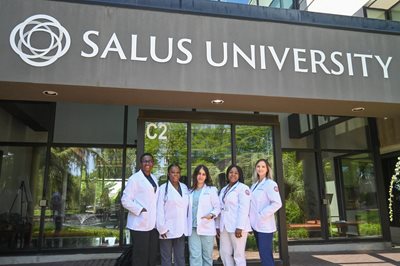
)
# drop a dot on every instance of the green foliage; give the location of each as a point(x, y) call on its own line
point(293, 212)
point(370, 229)
point(84, 231)
point(211, 145)
point(294, 181)
point(294, 188)
point(299, 233)
point(253, 143)
point(275, 243)
point(371, 216)
point(171, 150)
point(251, 242)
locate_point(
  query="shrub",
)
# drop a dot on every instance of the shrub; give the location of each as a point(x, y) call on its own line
point(293, 212)
point(299, 233)
point(370, 229)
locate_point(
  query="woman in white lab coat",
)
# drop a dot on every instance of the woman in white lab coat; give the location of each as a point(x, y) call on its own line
point(204, 207)
point(140, 199)
point(265, 202)
point(172, 212)
point(234, 222)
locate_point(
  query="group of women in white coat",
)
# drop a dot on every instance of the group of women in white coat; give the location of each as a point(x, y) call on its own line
point(201, 214)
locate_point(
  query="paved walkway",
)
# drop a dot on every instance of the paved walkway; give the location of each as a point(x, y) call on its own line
point(360, 258)
point(366, 258)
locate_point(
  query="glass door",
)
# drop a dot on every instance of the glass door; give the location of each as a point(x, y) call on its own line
point(217, 145)
point(211, 145)
point(167, 141)
point(351, 190)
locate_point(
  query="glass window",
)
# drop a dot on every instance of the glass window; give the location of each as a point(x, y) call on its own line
point(211, 146)
point(352, 196)
point(167, 142)
point(302, 197)
point(130, 170)
point(253, 143)
point(84, 191)
point(375, 13)
point(282, 4)
point(245, 2)
point(267, 3)
point(306, 123)
point(77, 123)
point(21, 188)
point(350, 134)
point(395, 13)
point(25, 122)
point(324, 119)
point(295, 143)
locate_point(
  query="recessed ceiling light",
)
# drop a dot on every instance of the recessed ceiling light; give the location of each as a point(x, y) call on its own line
point(358, 109)
point(386, 118)
point(217, 101)
point(50, 93)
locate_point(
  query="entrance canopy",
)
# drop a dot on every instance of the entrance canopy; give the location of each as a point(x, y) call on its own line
point(91, 53)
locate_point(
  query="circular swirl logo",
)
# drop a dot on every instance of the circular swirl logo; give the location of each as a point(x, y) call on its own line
point(26, 36)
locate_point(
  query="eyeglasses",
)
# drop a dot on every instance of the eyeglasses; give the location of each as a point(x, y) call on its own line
point(147, 161)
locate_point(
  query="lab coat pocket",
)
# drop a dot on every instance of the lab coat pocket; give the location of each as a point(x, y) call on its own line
point(143, 219)
point(207, 225)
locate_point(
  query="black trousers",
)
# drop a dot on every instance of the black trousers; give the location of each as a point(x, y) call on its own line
point(145, 247)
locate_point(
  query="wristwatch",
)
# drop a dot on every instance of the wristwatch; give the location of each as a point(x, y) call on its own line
point(212, 215)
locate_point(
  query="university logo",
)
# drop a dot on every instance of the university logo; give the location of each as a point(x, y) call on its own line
point(27, 39)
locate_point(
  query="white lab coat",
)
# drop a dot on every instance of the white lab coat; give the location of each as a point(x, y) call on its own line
point(235, 208)
point(138, 194)
point(208, 203)
point(265, 201)
point(172, 211)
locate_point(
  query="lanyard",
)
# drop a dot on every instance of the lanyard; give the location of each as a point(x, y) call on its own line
point(258, 182)
point(226, 191)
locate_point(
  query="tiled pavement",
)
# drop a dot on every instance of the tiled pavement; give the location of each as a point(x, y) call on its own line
point(103, 262)
point(365, 258)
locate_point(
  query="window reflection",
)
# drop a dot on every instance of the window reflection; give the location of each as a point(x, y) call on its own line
point(376, 13)
point(25, 122)
point(211, 146)
point(395, 12)
point(351, 187)
point(349, 134)
point(21, 184)
point(84, 191)
point(266, 3)
point(302, 200)
point(253, 143)
point(167, 142)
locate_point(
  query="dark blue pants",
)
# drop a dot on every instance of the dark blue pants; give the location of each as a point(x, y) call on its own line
point(264, 245)
point(145, 247)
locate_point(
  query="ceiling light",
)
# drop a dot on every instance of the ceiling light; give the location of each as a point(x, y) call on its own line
point(50, 93)
point(358, 109)
point(217, 101)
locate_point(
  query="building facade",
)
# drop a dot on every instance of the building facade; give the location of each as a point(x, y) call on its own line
point(88, 86)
